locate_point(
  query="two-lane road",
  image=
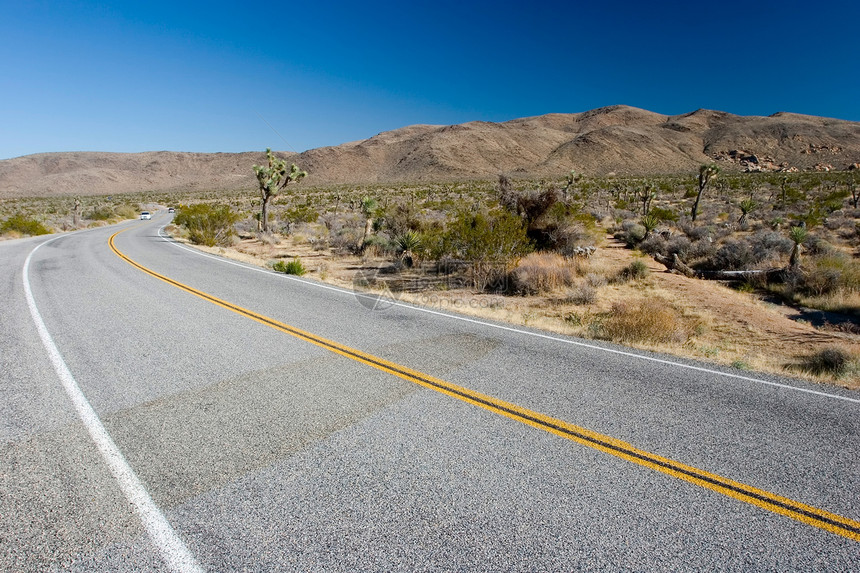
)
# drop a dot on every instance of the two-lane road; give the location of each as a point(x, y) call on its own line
point(264, 422)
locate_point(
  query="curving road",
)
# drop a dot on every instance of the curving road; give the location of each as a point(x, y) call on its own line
point(163, 409)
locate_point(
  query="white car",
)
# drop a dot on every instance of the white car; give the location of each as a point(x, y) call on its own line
point(145, 216)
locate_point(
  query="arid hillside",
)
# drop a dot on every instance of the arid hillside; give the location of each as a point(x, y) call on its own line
point(617, 139)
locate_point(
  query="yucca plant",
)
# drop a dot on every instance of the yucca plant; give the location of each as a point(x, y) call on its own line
point(650, 223)
point(747, 206)
point(407, 244)
point(798, 235)
point(294, 267)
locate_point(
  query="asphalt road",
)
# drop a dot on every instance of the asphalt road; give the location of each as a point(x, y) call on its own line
point(261, 451)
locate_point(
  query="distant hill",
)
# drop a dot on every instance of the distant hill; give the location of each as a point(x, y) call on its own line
point(618, 139)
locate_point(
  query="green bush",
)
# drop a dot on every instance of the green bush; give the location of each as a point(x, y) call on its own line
point(207, 224)
point(126, 212)
point(102, 213)
point(294, 267)
point(631, 233)
point(664, 214)
point(302, 214)
point(491, 241)
point(636, 270)
point(20, 224)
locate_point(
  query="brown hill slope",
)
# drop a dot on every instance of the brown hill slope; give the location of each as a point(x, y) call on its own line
point(619, 139)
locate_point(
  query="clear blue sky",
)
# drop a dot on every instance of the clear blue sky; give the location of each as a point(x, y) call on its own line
point(221, 76)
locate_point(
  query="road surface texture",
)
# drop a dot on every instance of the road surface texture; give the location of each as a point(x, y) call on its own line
point(162, 409)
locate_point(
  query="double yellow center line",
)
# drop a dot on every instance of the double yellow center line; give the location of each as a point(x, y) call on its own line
point(796, 510)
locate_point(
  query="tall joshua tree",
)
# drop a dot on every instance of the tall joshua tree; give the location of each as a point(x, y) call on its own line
point(573, 178)
point(706, 173)
point(273, 178)
point(646, 195)
point(76, 213)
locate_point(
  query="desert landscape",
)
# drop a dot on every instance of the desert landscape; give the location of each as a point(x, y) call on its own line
point(620, 140)
point(601, 200)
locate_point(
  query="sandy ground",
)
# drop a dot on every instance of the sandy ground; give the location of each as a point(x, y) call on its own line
point(734, 328)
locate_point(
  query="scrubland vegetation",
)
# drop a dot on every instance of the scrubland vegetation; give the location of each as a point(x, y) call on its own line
point(795, 237)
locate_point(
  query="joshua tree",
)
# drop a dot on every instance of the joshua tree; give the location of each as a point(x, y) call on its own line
point(646, 195)
point(650, 223)
point(783, 187)
point(706, 173)
point(368, 206)
point(273, 178)
point(530, 205)
point(572, 179)
point(747, 206)
point(76, 213)
point(798, 235)
point(855, 196)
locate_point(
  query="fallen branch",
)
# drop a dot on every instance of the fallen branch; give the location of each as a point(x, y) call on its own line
point(676, 265)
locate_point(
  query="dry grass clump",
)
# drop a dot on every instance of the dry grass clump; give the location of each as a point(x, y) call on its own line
point(831, 361)
point(830, 281)
point(545, 272)
point(581, 295)
point(650, 320)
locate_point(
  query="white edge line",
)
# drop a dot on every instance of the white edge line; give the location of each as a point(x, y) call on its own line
point(519, 331)
point(175, 553)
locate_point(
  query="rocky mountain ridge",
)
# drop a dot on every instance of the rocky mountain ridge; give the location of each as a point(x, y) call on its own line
point(619, 139)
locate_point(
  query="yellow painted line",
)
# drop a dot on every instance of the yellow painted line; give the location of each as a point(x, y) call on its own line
point(770, 501)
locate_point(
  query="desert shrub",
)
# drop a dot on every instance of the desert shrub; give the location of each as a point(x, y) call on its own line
point(401, 218)
point(302, 214)
point(820, 282)
point(595, 280)
point(490, 241)
point(697, 233)
point(531, 204)
point(246, 226)
point(658, 244)
point(664, 214)
point(850, 232)
point(837, 221)
point(735, 254)
point(631, 233)
point(101, 213)
point(126, 212)
point(769, 246)
point(581, 295)
point(207, 224)
point(575, 234)
point(378, 244)
point(649, 320)
point(543, 272)
point(701, 251)
point(678, 245)
point(636, 270)
point(18, 223)
point(294, 267)
point(268, 238)
point(815, 245)
point(654, 244)
point(830, 272)
point(832, 361)
point(346, 239)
